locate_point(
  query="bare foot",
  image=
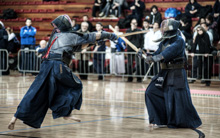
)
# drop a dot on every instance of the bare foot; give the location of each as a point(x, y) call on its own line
point(152, 125)
point(71, 117)
point(11, 124)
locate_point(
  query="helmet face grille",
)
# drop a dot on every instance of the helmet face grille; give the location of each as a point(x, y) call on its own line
point(63, 23)
point(169, 25)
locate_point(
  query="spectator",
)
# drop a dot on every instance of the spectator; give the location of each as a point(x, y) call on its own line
point(137, 8)
point(151, 46)
point(75, 26)
point(201, 20)
point(117, 62)
point(27, 35)
point(138, 41)
point(99, 58)
point(117, 7)
point(203, 42)
point(98, 6)
point(216, 10)
point(153, 34)
point(192, 9)
point(42, 47)
point(209, 31)
point(86, 19)
point(13, 47)
point(185, 26)
point(3, 46)
point(212, 25)
point(216, 14)
point(13, 42)
point(155, 16)
point(105, 12)
point(146, 25)
point(83, 58)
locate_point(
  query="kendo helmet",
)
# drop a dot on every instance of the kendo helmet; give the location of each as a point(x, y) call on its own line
point(169, 29)
point(63, 23)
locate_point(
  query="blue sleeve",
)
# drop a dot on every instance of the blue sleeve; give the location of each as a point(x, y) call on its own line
point(33, 32)
point(174, 50)
point(23, 33)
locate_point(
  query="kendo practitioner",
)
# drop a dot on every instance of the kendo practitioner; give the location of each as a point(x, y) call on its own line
point(56, 87)
point(167, 97)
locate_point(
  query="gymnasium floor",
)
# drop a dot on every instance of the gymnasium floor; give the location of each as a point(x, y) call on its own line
point(111, 109)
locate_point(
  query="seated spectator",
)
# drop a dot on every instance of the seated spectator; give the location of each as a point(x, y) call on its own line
point(117, 62)
point(105, 12)
point(192, 9)
point(98, 6)
point(216, 10)
point(216, 14)
point(117, 7)
point(201, 20)
point(209, 31)
point(185, 26)
point(86, 19)
point(155, 16)
point(214, 26)
point(137, 8)
point(146, 25)
point(75, 26)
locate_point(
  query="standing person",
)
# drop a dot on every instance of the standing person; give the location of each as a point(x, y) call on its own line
point(56, 87)
point(117, 62)
point(151, 46)
point(155, 15)
point(202, 40)
point(83, 57)
point(99, 58)
point(28, 41)
point(168, 97)
point(3, 46)
point(138, 41)
point(192, 9)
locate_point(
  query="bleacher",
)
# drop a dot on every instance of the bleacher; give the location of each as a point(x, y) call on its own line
point(42, 13)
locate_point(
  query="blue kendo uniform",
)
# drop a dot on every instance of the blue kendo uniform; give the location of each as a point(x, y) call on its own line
point(167, 97)
point(56, 87)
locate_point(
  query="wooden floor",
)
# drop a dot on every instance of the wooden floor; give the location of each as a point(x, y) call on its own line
point(111, 109)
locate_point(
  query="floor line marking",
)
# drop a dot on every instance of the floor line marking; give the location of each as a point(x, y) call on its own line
point(73, 123)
